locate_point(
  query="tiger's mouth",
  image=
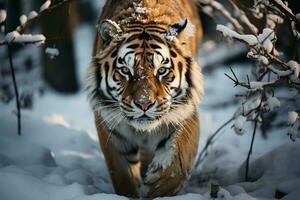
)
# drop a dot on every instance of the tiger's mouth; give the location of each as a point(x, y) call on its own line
point(144, 118)
point(144, 122)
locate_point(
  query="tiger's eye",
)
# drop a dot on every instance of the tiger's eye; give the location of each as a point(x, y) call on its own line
point(162, 70)
point(124, 70)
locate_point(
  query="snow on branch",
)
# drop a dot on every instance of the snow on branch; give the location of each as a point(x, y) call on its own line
point(17, 36)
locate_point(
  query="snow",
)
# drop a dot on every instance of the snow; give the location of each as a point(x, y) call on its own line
point(247, 107)
point(11, 36)
point(294, 130)
point(256, 85)
point(52, 52)
point(250, 39)
point(23, 19)
point(3, 15)
point(140, 10)
point(45, 5)
point(265, 39)
point(29, 38)
point(272, 104)
point(295, 67)
point(16, 37)
point(32, 14)
point(292, 117)
point(239, 125)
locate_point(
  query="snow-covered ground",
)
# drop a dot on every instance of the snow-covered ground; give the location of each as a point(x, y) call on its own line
point(57, 156)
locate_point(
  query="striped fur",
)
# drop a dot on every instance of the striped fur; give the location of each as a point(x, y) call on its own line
point(144, 86)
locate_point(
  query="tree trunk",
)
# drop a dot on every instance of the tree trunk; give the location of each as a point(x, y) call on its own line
point(58, 26)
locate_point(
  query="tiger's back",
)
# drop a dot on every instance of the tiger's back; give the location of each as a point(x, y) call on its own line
point(144, 86)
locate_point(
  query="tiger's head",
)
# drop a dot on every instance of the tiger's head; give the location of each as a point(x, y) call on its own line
point(143, 75)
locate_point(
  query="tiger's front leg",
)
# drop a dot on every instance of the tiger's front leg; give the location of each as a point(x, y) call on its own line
point(172, 162)
point(123, 166)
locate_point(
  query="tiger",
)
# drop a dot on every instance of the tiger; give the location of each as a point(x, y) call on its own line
point(144, 86)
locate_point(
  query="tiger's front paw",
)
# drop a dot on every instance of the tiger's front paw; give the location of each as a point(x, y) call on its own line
point(162, 181)
point(164, 176)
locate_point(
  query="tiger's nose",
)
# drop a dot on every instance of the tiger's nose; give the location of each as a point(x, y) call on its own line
point(143, 104)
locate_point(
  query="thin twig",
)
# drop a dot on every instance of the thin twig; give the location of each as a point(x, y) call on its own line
point(15, 87)
point(236, 81)
point(13, 75)
point(251, 147)
point(210, 140)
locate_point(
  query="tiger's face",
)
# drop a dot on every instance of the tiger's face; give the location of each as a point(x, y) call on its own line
point(142, 78)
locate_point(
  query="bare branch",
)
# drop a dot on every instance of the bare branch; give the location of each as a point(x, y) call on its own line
point(12, 70)
point(210, 141)
point(251, 147)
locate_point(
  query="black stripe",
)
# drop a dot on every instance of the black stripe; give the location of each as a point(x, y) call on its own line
point(173, 54)
point(133, 37)
point(178, 90)
point(129, 52)
point(166, 61)
point(162, 143)
point(120, 91)
point(180, 73)
point(114, 66)
point(121, 60)
point(133, 46)
point(158, 39)
point(114, 54)
point(188, 75)
point(108, 88)
point(145, 36)
point(155, 46)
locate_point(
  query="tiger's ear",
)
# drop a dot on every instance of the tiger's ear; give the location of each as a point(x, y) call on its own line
point(109, 30)
point(175, 29)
